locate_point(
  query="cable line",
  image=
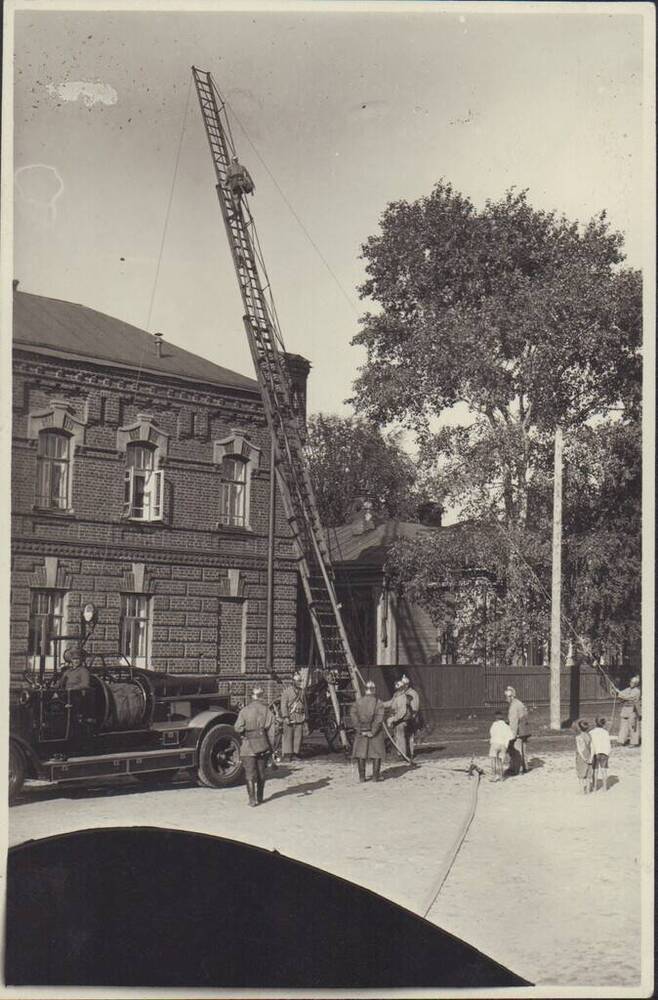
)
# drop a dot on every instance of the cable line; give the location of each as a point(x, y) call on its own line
point(295, 215)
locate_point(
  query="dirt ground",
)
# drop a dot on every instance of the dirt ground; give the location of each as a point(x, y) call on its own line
point(547, 881)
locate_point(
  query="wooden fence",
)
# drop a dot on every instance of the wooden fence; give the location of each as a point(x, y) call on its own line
point(464, 688)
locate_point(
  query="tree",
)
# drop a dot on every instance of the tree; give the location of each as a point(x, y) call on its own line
point(351, 459)
point(525, 317)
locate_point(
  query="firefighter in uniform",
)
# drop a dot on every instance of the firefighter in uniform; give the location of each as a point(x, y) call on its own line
point(75, 676)
point(293, 716)
point(631, 713)
point(367, 718)
point(399, 718)
point(255, 723)
point(239, 179)
point(413, 709)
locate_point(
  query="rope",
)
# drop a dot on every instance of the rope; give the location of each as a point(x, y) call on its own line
point(394, 744)
point(452, 853)
point(157, 274)
point(292, 211)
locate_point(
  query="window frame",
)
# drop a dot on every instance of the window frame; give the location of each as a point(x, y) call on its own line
point(234, 492)
point(151, 478)
point(46, 464)
point(34, 654)
point(134, 625)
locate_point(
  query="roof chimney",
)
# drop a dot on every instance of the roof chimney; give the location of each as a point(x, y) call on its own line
point(15, 284)
point(158, 344)
point(430, 513)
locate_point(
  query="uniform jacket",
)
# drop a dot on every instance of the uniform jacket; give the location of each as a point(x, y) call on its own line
point(518, 718)
point(367, 716)
point(75, 679)
point(399, 707)
point(414, 700)
point(633, 705)
point(293, 708)
point(252, 722)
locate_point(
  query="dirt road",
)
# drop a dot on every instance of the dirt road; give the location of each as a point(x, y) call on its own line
point(547, 881)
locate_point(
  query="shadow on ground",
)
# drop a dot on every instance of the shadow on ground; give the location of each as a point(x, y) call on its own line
point(306, 788)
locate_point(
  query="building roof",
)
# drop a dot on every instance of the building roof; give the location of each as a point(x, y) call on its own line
point(79, 333)
point(348, 543)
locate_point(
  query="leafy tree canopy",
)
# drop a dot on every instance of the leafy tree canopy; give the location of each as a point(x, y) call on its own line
point(531, 321)
point(351, 459)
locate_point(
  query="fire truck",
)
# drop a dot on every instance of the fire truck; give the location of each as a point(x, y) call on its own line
point(125, 721)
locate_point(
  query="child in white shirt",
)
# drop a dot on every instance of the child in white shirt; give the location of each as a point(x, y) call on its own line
point(500, 735)
point(600, 753)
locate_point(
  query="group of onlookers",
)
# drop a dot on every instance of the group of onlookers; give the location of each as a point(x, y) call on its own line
point(592, 754)
point(593, 742)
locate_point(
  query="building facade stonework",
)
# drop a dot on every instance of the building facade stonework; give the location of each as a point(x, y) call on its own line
point(140, 482)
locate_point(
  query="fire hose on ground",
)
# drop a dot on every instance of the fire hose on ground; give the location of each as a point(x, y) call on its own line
point(474, 773)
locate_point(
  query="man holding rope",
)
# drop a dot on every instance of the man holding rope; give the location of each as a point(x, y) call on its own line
point(631, 713)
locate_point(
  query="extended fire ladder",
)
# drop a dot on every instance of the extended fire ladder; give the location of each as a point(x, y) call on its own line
point(269, 361)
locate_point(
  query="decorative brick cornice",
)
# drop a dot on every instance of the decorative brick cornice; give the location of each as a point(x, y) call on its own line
point(68, 548)
point(52, 375)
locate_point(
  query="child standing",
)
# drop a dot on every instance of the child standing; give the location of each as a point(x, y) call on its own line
point(600, 738)
point(500, 735)
point(583, 754)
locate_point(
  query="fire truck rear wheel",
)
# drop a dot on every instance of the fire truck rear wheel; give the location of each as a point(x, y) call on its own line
point(17, 770)
point(219, 758)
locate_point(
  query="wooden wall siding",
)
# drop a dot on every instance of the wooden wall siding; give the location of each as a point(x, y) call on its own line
point(416, 634)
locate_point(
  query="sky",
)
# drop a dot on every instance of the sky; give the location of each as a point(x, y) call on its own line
point(341, 111)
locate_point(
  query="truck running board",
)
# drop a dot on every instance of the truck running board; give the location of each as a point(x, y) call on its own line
point(119, 763)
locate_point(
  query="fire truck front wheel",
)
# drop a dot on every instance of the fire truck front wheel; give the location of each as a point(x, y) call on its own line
point(17, 771)
point(219, 758)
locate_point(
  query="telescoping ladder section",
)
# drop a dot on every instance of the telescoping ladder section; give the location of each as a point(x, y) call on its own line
point(269, 361)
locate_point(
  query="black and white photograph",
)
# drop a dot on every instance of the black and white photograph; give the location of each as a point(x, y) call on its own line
point(328, 421)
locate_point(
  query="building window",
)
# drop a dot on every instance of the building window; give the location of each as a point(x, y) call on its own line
point(46, 621)
point(135, 628)
point(144, 484)
point(233, 497)
point(53, 470)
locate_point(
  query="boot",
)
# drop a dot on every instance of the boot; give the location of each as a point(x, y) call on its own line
point(362, 769)
point(260, 788)
point(251, 791)
point(376, 768)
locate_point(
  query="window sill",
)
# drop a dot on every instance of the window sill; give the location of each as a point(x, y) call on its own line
point(234, 529)
point(53, 511)
point(143, 522)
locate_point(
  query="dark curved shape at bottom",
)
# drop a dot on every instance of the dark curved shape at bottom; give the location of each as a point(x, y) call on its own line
point(148, 907)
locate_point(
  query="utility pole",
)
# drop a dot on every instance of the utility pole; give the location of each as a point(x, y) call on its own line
point(269, 627)
point(556, 583)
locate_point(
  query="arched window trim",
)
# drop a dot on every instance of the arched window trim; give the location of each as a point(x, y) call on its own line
point(58, 418)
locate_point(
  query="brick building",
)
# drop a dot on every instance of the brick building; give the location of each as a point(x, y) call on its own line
point(141, 482)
